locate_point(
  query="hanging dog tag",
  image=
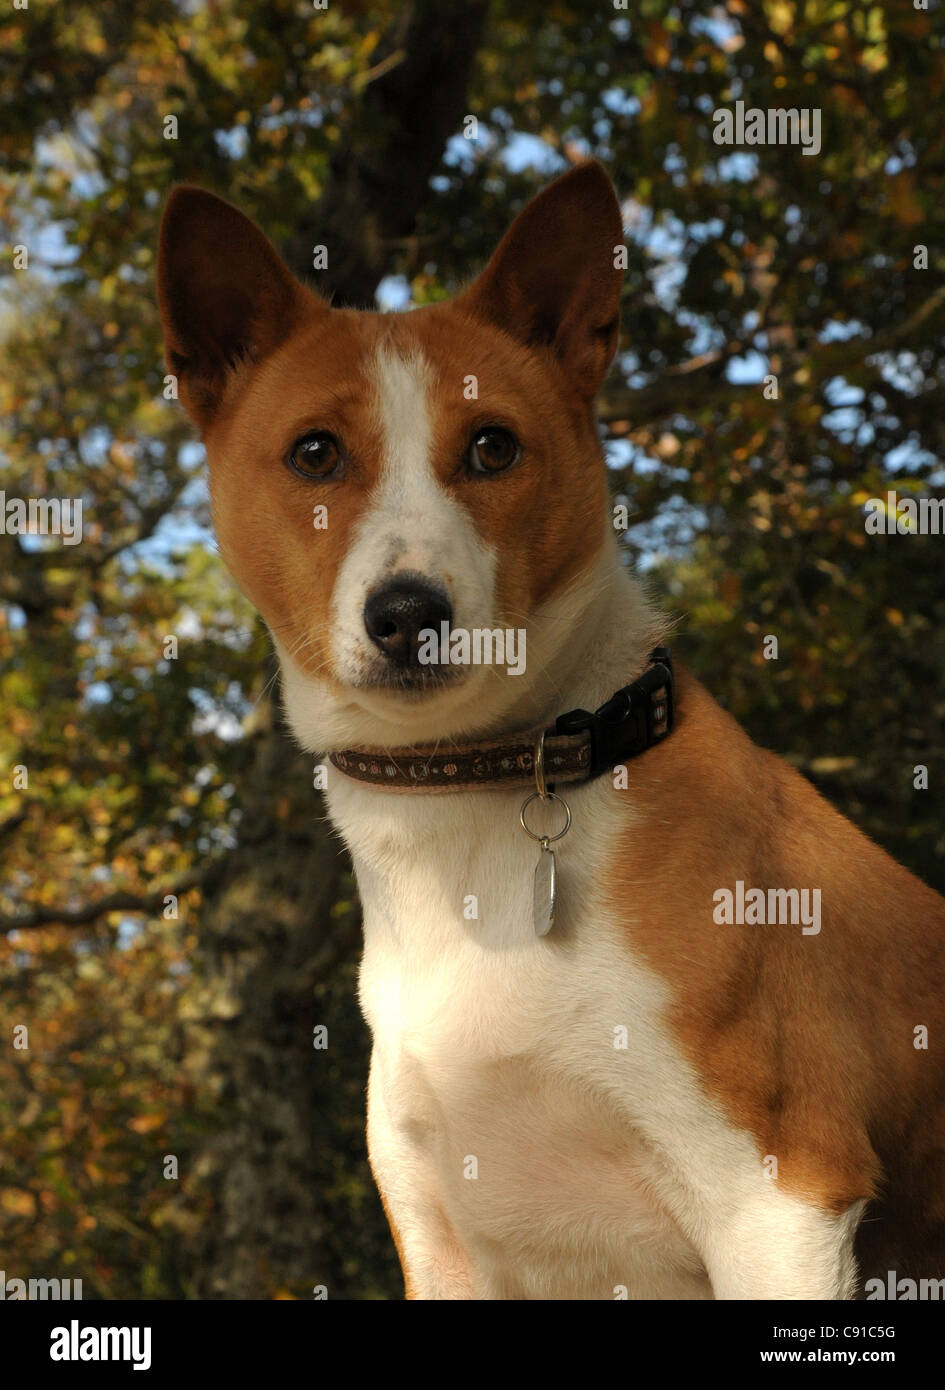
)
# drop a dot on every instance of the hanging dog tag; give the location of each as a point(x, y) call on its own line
point(545, 895)
point(546, 887)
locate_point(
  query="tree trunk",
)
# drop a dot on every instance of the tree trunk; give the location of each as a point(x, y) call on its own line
point(293, 1203)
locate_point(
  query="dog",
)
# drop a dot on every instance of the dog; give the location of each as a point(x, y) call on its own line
point(650, 1019)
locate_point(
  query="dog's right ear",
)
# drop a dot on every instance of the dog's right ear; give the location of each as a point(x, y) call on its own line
point(225, 296)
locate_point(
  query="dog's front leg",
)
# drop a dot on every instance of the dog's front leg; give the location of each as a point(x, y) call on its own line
point(432, 1260)
point(782, 1247)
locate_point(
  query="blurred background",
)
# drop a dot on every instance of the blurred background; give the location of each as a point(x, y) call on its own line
point(176, 917)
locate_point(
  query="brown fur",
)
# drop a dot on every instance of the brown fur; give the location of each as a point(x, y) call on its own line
point(806, 1041)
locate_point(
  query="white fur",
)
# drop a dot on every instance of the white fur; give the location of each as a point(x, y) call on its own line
point(599, 1170)
point(412, 526)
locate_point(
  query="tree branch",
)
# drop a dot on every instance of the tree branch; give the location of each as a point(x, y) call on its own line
point(122, 900)
point(698, 382)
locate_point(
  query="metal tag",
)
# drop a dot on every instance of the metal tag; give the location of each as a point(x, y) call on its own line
point(545, 891)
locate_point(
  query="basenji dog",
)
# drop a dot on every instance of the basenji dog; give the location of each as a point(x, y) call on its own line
point(650, 1019)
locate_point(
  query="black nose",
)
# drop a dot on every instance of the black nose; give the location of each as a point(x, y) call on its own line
point(395, 615)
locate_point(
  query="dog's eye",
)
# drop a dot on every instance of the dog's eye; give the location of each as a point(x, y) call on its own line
point(315, 455)
point(492, 450)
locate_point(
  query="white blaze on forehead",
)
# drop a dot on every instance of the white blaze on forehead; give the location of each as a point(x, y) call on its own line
point(411, 522)
point(403, 386)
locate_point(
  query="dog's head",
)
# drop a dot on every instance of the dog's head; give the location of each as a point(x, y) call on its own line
point(375, 477)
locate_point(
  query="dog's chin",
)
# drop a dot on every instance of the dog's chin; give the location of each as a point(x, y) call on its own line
point(420, 704)
point(379, 708)
point(411, 685)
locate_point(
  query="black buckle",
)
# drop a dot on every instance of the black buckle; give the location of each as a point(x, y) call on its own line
point(632, 720)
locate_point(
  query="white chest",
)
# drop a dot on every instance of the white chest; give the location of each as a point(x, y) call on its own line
point(508, 1069)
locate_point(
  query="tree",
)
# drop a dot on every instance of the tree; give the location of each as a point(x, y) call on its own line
point(153, 773)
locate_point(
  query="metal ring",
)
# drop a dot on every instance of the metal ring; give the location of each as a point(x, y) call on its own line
point(540, 766)
point(552, 796)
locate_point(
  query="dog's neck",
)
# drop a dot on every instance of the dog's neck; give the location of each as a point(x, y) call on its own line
point(417, 856)
point(609, 629)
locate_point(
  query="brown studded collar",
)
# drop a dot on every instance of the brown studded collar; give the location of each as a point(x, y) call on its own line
point(578, 747)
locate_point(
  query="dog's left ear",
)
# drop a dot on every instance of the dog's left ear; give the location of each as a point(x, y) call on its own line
point(225, 295)
point(553, 279)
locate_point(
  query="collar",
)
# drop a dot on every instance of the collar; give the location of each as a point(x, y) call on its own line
point(578, 747)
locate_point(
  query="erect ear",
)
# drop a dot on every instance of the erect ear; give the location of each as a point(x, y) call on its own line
point(553, 279)
point(224, 293)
